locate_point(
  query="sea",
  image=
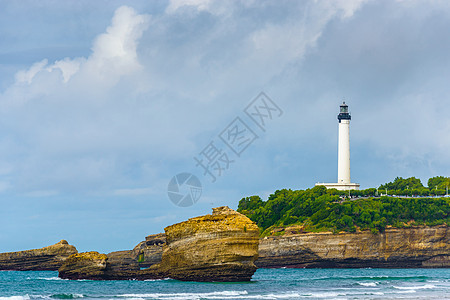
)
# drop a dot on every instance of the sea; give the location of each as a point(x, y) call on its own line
point(266, 284)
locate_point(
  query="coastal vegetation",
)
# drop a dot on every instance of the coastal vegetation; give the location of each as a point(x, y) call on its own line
point(437, 186)
point(321, 209)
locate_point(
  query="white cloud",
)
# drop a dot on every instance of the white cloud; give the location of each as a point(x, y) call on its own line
point(113, 56)
point(348, 8)
point(27, 76)
point(114, 52)
point(198, 4)
point(56, 104)
point(118, 122)
point(67, 66)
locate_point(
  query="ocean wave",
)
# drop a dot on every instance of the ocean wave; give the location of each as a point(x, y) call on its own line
point(54, 296)
point(212, 295)
point(259, 297)
point(420, 287)
point(26, 297)
point(379, 278)
point(158, 279)
point(66, 296)
point(184, 295)
point(325, 294)
point(48, 278)
point(368, 283)
point(375, 293)
point(405, 291)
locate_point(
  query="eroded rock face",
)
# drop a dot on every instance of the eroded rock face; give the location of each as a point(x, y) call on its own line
point(44, 259)
point(395, 248)
point(149, 252)
point(123, 260)
point(86, 265)
point(218, 247)
point(96, 266)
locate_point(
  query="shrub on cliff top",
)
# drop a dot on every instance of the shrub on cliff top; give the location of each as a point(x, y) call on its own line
point(318, 210)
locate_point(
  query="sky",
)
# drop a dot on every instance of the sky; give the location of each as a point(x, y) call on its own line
point(102, 103)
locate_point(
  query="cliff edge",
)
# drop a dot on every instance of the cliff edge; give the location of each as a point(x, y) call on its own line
point(218, 247)
point(44, 259)
point(415, 247)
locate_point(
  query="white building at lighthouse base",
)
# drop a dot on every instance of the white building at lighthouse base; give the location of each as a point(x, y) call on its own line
point(340, 186)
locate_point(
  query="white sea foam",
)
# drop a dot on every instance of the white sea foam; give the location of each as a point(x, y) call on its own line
point(26, 297)
point(50, 278)
point(368, 283)
point(292, 295)
point(420, 287)
point(212, 295)
point(375, 293)
point(406, 291)
point(75, 296)
point(186, 295)
point(325, 295)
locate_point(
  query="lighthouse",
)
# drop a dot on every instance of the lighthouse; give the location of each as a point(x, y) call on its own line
point(343, 182)
point(344, 144)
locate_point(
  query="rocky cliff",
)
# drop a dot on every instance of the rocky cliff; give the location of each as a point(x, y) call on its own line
point(149, 252)
point(47, 258)
point(395, 248)
point(87, 265)
point(218, 247)
point(96, 266)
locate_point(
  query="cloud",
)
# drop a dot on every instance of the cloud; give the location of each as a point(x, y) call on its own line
point(198, 4)
point(104, 131)
point(55, 103)
point(28, 75)
point(113, 54)
point(68, 67)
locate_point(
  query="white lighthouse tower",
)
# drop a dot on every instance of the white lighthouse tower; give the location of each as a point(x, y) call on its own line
point(344, 145)
point(343, 182)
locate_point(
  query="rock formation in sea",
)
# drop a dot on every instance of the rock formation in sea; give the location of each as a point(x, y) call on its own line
point(218, 247)
point(149, 252)
point(86, 265)
point(226, 243)
point(415, 247)
point(418, 247)
point(44, 259)
point(97, 266)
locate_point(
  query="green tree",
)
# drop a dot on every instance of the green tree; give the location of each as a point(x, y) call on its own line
point(440, 182)
point(317, 210)
point(402, 184)
point(250, 203)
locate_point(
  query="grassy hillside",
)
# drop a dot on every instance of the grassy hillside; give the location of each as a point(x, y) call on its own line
point(319, 209)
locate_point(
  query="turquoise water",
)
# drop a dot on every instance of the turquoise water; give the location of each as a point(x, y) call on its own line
point(266, 284)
